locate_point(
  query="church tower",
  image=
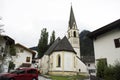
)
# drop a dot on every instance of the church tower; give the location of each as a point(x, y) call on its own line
point(73, 33)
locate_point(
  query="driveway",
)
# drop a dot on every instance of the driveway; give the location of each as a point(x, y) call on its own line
point(42, 78)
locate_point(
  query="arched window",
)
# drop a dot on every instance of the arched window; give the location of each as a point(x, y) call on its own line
point(58, 61)
point(69, 35)
point(74, 34)
point(74, 63)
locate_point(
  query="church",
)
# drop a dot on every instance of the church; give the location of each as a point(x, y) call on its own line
point(63, 56)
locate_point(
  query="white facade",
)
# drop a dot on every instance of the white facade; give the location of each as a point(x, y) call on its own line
point(91, 68)
point(22, 56)
point(104, 46)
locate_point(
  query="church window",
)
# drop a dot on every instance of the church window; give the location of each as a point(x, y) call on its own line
point(74, 63)
point(88, 65)
point(69, 35)
point(74, 34)
point(58, 61)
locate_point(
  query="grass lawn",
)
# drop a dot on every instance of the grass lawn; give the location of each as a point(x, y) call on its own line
point(67, 77)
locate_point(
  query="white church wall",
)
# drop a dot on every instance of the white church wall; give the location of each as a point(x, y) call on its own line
point(44, 64)
point(69, 61)
point(81, 67)
point(54, 66)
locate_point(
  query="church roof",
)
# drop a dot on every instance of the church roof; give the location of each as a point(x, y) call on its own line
point(60, 45)
point(50, 50)
point(64, 45)
point(72, 19)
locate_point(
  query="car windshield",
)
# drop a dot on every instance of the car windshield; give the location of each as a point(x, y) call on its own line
point(17, 71)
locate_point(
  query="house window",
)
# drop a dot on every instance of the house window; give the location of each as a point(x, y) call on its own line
point(117, 43)
point(88, 65)
point(27, 59)
point(74, 34)
point(58, 61)
point(21, 50)
point(91, 71)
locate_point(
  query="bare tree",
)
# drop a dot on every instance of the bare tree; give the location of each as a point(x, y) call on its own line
point(1, 25)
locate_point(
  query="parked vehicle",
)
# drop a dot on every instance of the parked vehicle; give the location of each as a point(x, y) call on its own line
point(21, 74)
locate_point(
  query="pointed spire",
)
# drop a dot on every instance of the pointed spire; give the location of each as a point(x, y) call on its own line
point(72, 18)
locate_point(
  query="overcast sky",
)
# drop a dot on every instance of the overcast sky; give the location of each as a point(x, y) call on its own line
point(24, 19)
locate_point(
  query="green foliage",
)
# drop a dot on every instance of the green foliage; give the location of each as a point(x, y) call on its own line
point(12, 50)
point(11, 65)
point(113, 72)
point(77, 77)
point(52, 38)
point(101, 66)
point(43, 43)
point(109, 72)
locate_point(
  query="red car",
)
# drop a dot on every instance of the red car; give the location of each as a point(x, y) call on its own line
point(21, 74)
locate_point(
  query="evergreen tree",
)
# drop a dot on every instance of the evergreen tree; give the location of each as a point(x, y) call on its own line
point(52, 38)
point(43, 43)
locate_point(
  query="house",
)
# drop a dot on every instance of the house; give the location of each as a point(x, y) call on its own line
point(23, 56)
point(90, 64)
point(107, 42)
point(6, 43)
point(63, 56)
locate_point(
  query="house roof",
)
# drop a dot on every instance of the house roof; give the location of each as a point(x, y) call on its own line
point(50, 50)
point(86, 59)
point(25, 48)
point(64, 45)
point(72, 19)
point(34, 48)
point(9, 40)
point(104, 29)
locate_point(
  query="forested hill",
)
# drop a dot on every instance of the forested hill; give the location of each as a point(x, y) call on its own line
point(86, 44)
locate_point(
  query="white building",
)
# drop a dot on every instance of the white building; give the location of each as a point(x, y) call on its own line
point(63, 56)
point(107, 42)
point(5, 43)
point(23, 56)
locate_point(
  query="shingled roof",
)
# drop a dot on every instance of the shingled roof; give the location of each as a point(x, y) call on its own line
point(60, 45)
point(50, 50)
point(104, 29)
point(64, 45)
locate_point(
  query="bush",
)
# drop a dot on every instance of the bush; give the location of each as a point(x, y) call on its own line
point(113, 72)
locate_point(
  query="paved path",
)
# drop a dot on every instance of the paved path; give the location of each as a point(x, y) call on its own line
point(42, 78)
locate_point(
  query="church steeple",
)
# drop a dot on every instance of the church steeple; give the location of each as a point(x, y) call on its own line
point(72, 21)
point(73, 33)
